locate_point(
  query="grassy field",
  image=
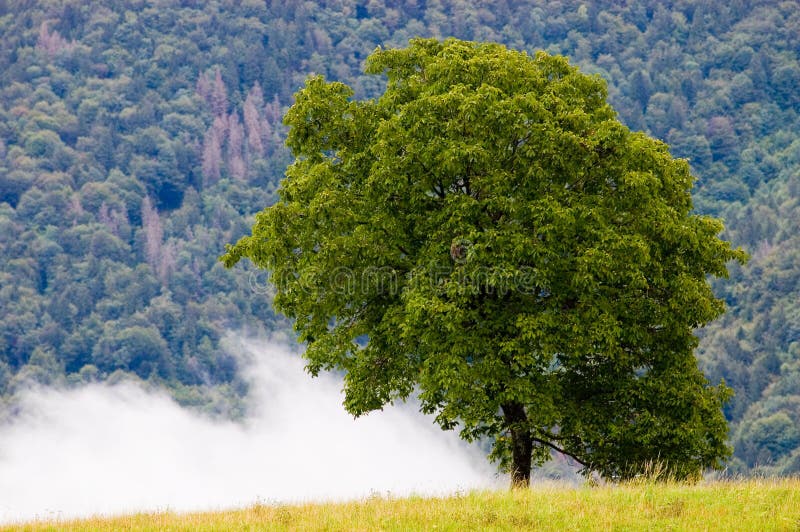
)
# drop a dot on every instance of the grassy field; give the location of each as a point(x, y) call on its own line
point(740, 505)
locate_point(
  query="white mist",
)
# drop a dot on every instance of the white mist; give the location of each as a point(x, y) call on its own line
point(117, 449)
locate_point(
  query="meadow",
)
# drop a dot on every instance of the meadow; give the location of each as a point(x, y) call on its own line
point(714, 505)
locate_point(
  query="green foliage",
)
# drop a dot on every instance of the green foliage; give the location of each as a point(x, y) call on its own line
point(767, 439)
point(92, 132)
point(487, 232)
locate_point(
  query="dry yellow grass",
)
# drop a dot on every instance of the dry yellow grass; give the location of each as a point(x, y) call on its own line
point(736, 505)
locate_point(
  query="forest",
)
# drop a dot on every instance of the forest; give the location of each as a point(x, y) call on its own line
point(138, 137)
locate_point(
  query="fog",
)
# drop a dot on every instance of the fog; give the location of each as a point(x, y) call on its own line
point(116, 449)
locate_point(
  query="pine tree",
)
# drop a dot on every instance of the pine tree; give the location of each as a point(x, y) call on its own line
point(236, 165)
point(212, 157)
point(219, 95)
point(252, 120)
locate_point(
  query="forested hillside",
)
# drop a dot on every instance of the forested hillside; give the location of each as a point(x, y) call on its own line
point(138, 137)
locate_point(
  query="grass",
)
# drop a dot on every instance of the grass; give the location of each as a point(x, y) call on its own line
point(724, 505)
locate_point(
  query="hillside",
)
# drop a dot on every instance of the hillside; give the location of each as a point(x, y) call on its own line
point(138, 137)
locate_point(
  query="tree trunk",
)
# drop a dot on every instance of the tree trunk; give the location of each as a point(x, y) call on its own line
point(521, 445)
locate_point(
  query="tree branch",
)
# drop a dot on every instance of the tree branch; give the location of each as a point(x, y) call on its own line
point(562, 451)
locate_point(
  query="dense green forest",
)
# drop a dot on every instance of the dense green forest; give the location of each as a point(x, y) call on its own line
point(138, 137)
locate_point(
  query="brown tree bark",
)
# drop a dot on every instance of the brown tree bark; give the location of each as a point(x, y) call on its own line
point(521, 445)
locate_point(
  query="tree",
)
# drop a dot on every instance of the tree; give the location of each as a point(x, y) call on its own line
point(236, 164)
point(486, 234)
point(252, 119)
point(212, 156)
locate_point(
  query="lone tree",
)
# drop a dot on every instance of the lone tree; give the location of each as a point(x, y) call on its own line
point(487, 234)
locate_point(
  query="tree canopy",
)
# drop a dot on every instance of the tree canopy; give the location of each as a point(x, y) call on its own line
point(488, 235)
